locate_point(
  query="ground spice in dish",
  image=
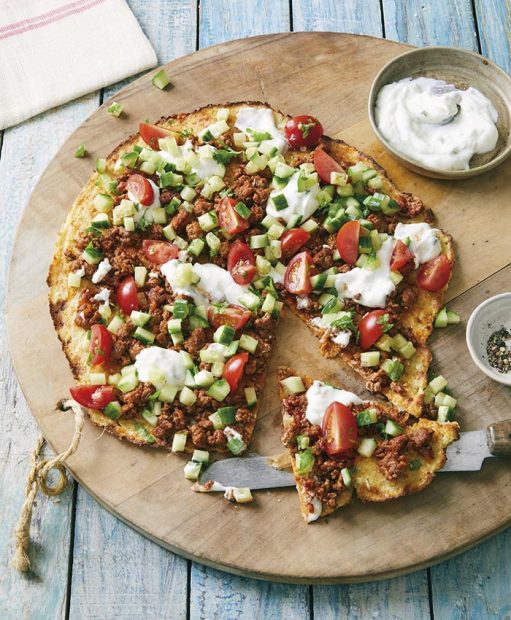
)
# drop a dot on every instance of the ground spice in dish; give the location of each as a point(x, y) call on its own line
point(499, 353)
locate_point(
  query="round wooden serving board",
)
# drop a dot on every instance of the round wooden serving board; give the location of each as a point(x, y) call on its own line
point(327, 75)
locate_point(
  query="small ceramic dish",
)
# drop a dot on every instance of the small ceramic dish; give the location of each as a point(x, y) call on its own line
point(463, 69)
point(491, 315)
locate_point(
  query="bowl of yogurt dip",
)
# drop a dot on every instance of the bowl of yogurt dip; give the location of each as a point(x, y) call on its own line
point(443, 112)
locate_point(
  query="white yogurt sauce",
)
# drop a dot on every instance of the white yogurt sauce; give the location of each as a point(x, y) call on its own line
point(318, 509)
point(169, 362)
point(101, 271)
point(201, 161)
point(340, 337)
point(215, 284)
point(103, 296)
point(260, 119)
point(320, 396)
point(369, 287)
point(277, 277)
point(413, 115)
point(301, 203)
point(424, 242)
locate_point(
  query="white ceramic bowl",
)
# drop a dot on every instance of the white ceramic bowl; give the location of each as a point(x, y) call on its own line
point(488, 317)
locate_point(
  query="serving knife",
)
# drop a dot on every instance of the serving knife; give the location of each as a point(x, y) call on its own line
point(466, 454)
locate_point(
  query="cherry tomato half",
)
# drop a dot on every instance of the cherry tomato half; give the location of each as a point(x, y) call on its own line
point(93, 396)
point(229, 218)
point(234, 316)
point(233, 369)
point(150, 134)
point(339, 429)
point(297, 276)
point(159, 252)
point(325, 165)
point(371, 327)
point(401, 256)
point(126, 297)
point(347, 241)
point(303, 131)
point(241, 263)
point(292, 240)
point(101, 344)
point(435, 274)
point(141, 189)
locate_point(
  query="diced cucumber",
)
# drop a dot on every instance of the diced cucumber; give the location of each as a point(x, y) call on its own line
point(242, 209)
point(407, 351)
point(208, 221)
point(180, 309)
point(453, 318)
point(428, 395)
point(275, 231)
point(236, 446)
point(113, 410)
point(139, 318)
point(293, 385)
point(168, 393)
point(242, 495)
point(97, 378)
point(398, 342)
point(74, 280)
point(445, 414)
point(223, 416)
point(441, 318)
point(396, 277)
point(150, 417)
point(92, 255)
point(103, 203)
point(367, 417)
point(393, 429)
point(250, 397)
point(140, 276)
point(438, 384)
point(213, 243)
point(370, 358)
point(284, 171)
point(192, 470)
point(200, 456)
point(156, 377)
point(346, 476)
point(302, 442)
point(144, 335)
point(114, 379)
point(318, 281)
point(258, 241)
point(248, 343)
point(250, 301)
point(366, 447)
point(128, 383)
point(196, 246)
point(384, 343)
point(204, 378)
point(187, 396)
point(161, 79)
point(394, 368)
point(304, 462)
point(179, 441)
point(219, 390)
point(269, 221)
point(224, 334)
point(310, 226)
point(445, 399)
point(355, 172)
point(130, 369)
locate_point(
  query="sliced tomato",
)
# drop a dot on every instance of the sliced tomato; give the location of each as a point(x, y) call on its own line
point(159, 252)
point(233, 369)
point(229, 218)
point(126, 297)
point(372, 326)
point(292, 240)
point(141, 189)
point(401, 256)
point(150, 134)
point(93, 396)
point(339, 429)
point(325, 165)
point(435, 274)
point(241, 263)
point(101, 344)
point(347, 241)
point(297, 277)
point(303, 131)
point(234, 316)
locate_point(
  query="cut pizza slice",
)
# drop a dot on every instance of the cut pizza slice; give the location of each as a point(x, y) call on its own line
point(371, 273)
point(341, 446)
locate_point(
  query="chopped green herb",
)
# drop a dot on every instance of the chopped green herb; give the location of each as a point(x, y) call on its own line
point(225, 155)
point(384, 322)
point(414, 464)
point(259, 136)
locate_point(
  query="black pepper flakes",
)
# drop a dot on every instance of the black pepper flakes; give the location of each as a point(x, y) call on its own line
point(499, 353)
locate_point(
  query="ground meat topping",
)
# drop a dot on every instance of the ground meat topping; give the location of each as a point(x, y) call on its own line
point(392, 463)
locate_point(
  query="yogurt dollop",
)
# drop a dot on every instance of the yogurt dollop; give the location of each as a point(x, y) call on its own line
point(436, 124)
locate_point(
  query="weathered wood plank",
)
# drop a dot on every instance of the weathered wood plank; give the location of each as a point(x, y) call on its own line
point(26, 151)
point(349, 16)
point(117, 573)
point(214, 594)
point(430, 22)
point(475, 584)
point(222, 21)
point(494, 26)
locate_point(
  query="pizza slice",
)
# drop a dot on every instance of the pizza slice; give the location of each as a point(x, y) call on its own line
point(342, 446)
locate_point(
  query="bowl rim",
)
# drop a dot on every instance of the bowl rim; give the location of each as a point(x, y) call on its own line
point(450, 174)
point(493, 374)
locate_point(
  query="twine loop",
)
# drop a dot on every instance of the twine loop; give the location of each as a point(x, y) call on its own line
point(38, 480)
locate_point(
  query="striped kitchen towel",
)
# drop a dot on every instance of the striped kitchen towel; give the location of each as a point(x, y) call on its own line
point(52, 51)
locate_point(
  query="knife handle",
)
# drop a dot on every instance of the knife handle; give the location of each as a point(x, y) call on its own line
point(499, 438)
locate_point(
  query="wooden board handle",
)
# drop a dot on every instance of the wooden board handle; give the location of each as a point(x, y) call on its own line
point(499, 438)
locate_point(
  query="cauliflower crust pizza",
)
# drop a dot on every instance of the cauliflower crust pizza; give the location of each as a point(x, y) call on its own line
point(171, 270)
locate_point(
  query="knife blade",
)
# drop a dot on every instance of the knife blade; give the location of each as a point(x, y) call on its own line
point(256, 472)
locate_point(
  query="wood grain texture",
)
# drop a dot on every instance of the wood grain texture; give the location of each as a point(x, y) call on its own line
point(349, 16)
point(141, 485)
point(43, 591)
point(494, 25)
point(119, 574)
point(116, 572)
point(428, 22)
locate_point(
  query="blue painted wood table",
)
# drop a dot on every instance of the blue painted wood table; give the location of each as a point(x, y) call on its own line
point(87, 564)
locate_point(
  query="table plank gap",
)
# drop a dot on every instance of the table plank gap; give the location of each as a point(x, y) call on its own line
point(494, 28)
